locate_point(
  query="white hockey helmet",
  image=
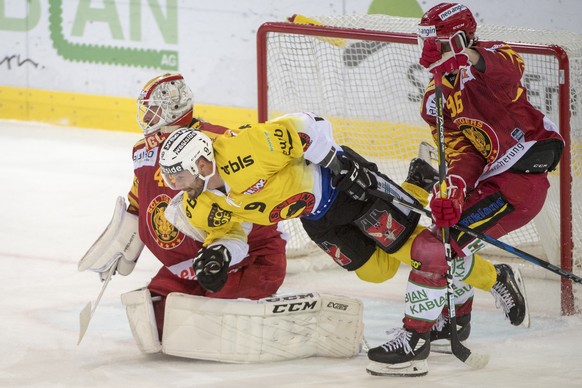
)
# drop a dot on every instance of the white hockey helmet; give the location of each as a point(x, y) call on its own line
point(165, 100)
point(179, 154)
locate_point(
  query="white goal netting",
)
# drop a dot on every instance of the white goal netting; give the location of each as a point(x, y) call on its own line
point(369, 84)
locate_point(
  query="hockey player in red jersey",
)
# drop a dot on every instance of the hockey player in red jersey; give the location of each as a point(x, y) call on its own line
point(165, 104)
point(499, 149)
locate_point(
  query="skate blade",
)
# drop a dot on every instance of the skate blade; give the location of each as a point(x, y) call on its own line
point(406, 369)
point(521, 285)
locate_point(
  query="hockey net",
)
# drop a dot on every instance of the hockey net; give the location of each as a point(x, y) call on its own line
point(362, 73)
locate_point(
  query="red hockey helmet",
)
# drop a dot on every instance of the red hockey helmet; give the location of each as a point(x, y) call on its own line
point(446, 21)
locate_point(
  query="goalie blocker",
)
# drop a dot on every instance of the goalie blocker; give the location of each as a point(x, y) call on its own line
point(282, 327)
point(119, 245)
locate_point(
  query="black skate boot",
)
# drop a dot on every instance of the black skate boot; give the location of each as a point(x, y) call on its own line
point(422, 174)
point(509, 293)
point(404, 355)
point(440, 335)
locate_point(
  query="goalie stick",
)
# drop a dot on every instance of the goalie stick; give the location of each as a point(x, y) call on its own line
point(87, 312)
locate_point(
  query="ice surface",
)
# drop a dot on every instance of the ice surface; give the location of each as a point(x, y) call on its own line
point(58, 191)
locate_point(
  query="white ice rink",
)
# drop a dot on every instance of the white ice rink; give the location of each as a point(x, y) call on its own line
point(58, 191)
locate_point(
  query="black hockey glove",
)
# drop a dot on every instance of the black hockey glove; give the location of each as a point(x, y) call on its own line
point(211, 267)
point(353, 178)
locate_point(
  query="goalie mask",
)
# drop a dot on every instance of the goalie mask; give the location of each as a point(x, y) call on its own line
point(164, 101)
point(178, 158)
point(450, 23)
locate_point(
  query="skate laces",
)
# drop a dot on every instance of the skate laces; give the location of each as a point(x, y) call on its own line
point(401, 340)
point(503, 297)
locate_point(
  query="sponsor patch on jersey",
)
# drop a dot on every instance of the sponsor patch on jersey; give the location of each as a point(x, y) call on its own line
point(143, 157)
point(218, 216)
point(256, 187)
point(295, 206)
point(162, 231)
point(483, 138)
point(283, 137)
point(240, 163)
point(482, 216)
point(430, 106)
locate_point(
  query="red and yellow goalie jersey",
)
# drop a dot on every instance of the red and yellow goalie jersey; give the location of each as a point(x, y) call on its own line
point(149, 197)
point(266, 175)
point(488, 122)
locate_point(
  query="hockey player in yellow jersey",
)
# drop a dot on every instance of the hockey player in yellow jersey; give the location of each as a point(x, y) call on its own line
point(292, 167)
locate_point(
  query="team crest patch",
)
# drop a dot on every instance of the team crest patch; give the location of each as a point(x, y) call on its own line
point(162, 231)
point(481, 136)
point(218, 216)
point(335, 252)
point(295, 206)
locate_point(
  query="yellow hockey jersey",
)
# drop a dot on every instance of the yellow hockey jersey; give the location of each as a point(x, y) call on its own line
point(267, 173)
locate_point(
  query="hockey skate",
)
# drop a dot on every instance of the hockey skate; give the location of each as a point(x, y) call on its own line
point(509, 293)
point(440, 335)
point(421, 173)
point(404, 355)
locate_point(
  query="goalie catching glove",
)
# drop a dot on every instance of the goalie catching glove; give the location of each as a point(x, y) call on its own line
point(446, 211)
point(211, 267)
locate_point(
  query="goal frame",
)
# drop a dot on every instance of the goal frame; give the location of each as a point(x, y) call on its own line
point(565, 205)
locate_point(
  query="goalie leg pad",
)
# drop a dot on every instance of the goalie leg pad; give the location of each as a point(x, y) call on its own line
point(142, 321)
point(340, 329)
point(271, 329)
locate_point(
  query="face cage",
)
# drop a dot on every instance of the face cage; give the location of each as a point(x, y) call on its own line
point(157, 115)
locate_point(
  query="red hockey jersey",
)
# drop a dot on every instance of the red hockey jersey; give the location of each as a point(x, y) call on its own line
point(489, 124)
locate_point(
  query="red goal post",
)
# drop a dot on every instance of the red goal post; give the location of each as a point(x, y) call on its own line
point(361, 72)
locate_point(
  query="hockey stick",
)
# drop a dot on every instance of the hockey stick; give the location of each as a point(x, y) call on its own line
point(488, 239)
point(457, 348)
point(87, 312)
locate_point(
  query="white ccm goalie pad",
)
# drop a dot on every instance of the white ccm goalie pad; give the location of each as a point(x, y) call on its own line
point(142, 321)
point(278, 328)
point(119, 244)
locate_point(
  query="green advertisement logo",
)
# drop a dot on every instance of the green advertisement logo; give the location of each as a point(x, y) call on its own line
point(162, 59)
point(107, 13)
